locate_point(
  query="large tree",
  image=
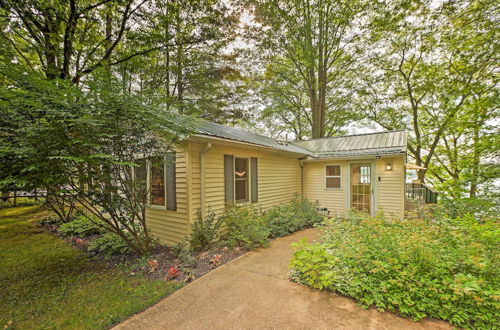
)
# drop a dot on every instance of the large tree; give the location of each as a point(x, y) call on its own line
point(430, 68)
point(82, 148)
point(189, 74)
point(310, 47)
point(70, 39)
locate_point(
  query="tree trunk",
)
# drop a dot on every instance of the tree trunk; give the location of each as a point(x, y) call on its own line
point(179, 66)
point(108, 34)
point(475, 165)
point(52, 72)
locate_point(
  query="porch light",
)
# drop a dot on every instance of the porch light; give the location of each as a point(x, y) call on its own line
point(388, 167)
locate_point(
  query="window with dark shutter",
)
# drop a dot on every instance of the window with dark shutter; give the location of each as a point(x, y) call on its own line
point(171, 181)
point(254, 177)
point(141, 179)
point(229, 177)
point(157, 182)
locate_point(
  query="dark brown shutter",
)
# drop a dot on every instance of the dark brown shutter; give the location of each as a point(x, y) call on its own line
point(171, 182)
point(229, 177)
point(255, 181)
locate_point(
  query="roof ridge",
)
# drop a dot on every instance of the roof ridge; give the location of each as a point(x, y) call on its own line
point(349, 135)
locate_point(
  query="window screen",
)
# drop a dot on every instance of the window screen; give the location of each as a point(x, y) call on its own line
point(241, 176)
point(171, 182)
point(332, 176)
point(157, 184)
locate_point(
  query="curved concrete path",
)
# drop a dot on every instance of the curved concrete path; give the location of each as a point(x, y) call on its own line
point(253, 292)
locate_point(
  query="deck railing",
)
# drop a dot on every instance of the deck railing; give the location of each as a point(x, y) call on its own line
point(419, 192)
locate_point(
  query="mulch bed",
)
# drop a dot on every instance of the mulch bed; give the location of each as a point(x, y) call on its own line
point(162, 263)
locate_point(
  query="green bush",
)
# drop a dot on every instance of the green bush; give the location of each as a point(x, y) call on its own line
point(109, 244)
point(459, 207)
point(245, 227)
point(80, 227)
point(180, 247)
point(51, 220)
point(446, 270)
point(188, 259)
point(205, 231)
point(290, 217)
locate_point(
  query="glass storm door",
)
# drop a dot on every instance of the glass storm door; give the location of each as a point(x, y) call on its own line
point(361, 187)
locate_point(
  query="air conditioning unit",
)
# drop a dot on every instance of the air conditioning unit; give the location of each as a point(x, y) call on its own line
point(323, 211)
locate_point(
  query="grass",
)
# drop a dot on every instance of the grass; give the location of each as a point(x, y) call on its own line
point(46, 283)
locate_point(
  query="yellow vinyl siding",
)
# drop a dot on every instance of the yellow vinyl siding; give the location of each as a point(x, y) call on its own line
point(279, 180)
point(172, 226)
point(278, 177)
point(390, 194)
point(194, 157)
point(315, 186)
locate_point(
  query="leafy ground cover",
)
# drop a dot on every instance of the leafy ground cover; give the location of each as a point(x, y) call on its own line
point(76, 275)
point(446, 268)
point(47, 283)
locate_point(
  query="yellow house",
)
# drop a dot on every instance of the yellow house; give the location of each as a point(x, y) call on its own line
point(219, 164)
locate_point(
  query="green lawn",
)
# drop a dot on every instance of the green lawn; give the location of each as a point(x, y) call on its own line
point(45, 283)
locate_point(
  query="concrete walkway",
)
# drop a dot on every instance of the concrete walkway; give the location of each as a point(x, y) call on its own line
point(253, 292)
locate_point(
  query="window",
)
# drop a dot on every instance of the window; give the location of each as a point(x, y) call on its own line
point(364, 174)
point(332, 176)
point(141, 178)
point(156, 181)
point(241, 179)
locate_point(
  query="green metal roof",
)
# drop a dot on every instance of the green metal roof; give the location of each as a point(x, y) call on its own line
point(212, 129)
point(381, 143)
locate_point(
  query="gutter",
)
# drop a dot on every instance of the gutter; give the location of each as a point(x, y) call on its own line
point(353, 157)
point(273, 148)
point(302, 177)
point(202, 178)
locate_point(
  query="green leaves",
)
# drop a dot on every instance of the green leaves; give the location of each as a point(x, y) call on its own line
point(312, 48)
point(290, 217)
point(448, 270)
point(79, 146)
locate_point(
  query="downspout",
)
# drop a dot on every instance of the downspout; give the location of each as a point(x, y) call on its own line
point(302, 174)
point(202, 178)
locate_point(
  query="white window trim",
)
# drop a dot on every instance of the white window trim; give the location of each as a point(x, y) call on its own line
point(249, 186)
point(333, 176)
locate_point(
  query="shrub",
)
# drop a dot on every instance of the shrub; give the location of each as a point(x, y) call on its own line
point(245, 227)
point(205, 231)
point(187, 259)
point(459, 207)
point(183, 251)
point(80, 227)
point(51, 220)
point(109, 244)
point(290, 217)
point(180, 247)
point(447, 270)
